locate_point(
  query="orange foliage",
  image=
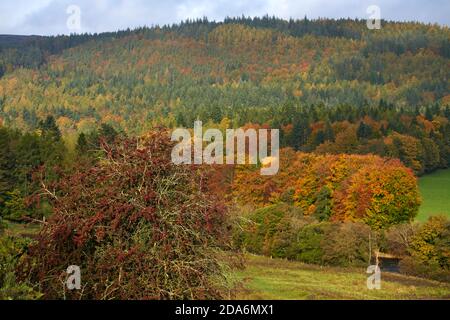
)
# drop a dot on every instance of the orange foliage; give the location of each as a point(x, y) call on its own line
point(367, 188)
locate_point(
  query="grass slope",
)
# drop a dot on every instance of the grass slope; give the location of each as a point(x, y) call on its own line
point(435, 191)
point(266, 278)
point(21, 229)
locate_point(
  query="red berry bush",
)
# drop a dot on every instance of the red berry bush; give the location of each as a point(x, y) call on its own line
point(138, 226)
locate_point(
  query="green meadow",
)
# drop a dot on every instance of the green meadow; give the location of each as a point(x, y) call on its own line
point(435, 192)
point(265, 278)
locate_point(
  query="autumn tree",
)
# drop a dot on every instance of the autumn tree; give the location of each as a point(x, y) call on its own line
point(360, 188)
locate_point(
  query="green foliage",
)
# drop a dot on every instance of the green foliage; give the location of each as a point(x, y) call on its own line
point(431, 243)
point(6, 167)
point(82, 144)
point(14, 207)
point(11, 252)
point(282, 231)
point(21, 157)
point(49, 129)
point(309, 243)
point(108, 133)
point(3, 225)
point(364, 131)
point(268, 230)
point(423, 247)
point(323, 210)
point(26, 155)
point(348, 244)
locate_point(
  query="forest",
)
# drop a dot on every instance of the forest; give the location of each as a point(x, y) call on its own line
point(85, 153)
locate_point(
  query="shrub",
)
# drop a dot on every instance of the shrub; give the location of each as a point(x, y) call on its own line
point(282, 231)
point(138, 226)
point(424, 248)
point(347, 244)
point(431, 243)
point(410, 265)
point(429, 250)
point(270, 231)
point(309, 242)
point(398, 238)
point(11, 251)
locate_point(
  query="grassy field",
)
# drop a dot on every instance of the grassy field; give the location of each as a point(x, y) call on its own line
point(21, 229)
point(266, 278)
point(435, 191)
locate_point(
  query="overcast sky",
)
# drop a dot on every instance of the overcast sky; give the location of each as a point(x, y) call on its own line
point(50, 17)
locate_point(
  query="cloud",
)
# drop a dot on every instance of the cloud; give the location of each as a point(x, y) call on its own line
point(50, 16)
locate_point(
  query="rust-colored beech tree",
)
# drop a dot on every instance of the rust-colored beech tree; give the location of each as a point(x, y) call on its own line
point(138, 226)
point(364, 188)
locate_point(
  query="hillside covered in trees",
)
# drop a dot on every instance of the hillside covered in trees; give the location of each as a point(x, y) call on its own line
point(332, 86)
point(85, 151)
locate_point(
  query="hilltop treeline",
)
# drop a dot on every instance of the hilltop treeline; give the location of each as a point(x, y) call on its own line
point(31, 51)
point(332, 86)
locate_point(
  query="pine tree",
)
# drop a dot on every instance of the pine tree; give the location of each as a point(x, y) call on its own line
point(429, 114)
point(29, 158)
point(14, 208)
point(108, 133)
point(49, 129)
point(82, 144)
point(52, 147)
point(6, 168)
point(329, 133)
point(364, 131)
